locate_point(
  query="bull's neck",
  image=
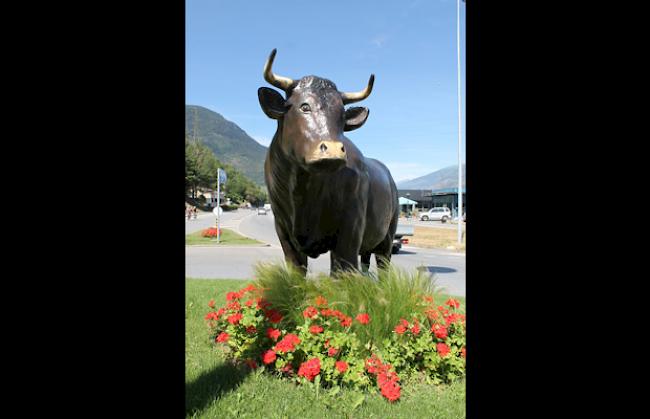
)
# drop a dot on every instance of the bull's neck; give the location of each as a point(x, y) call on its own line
point(289, 179)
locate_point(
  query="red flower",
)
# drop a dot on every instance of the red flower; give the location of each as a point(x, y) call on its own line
point(453, 318)
point(439, 330)
point(251, 363)
point(332, 351)
point(310, 369)
point(415, 329)
point(342, 366)
point(372, 364)
point(310, 312)
point(316, 329)
point(290, 337)
point(320, 301)
point(287, 344)
point(432, 314)
point(268, 357)
point(223, 337)
point(249, 303)
point(274, 316)
point(399, 329)
point(363, 318)
point(220, 312)
point(346, 321)
point(443, 349)
point(428, 299)
point(233, 305)
point(404, 323)
point(232, 296)
point(273, 333)
point(211, 304)
point(326, 312)
point(463, 352)
point(386, 376)
point(391, 390)
point(262, 303)
point(235, 318)
point(251, 330)
point(453, 303)
point(250, 287)
point(287, 369)
point(211, 315)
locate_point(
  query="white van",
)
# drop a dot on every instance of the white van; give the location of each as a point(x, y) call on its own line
point(436, 214)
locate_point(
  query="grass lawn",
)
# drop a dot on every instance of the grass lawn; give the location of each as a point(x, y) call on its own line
point(215, 389)
point(432, 237)
point(228, 237)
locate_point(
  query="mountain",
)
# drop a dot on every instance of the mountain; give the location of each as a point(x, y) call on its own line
point(443, 178)
point(229, 143)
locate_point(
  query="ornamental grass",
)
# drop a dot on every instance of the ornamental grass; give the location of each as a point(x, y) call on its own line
point(386, 297)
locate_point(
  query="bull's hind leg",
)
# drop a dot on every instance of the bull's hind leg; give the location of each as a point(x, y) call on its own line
point(341, 263)
point(365, 262)
point(383, 252)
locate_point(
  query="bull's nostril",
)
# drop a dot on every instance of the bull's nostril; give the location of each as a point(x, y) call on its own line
point(343, 149)
point(323, 147)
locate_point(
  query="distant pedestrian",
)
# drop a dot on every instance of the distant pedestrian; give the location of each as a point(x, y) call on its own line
point(188, 212)
point(196, 212)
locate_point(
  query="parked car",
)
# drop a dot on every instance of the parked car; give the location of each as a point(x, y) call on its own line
point(261, 211)
point(436, 214)
point(398, 239)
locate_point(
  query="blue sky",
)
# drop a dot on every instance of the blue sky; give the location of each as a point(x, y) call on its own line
point(410, 46)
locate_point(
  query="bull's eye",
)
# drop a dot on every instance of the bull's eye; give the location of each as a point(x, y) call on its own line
point(305, 107)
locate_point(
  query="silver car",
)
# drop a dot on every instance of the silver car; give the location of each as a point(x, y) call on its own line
point(436, 214)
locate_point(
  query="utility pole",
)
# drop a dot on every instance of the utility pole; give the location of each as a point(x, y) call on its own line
point(460, 162)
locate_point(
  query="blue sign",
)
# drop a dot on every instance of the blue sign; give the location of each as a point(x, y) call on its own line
point(222, 176)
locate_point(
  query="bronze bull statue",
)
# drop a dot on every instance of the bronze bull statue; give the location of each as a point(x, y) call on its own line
point(325, 195)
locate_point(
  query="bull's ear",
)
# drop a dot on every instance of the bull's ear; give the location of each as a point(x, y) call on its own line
point(355, 117)
point(272, 102)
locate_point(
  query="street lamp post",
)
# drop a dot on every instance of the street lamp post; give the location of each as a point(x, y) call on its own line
point(460, 165)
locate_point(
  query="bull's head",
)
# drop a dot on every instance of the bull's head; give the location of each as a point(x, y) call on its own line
point(312, 117)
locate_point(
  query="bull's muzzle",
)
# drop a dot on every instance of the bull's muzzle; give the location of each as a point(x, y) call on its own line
point(328, 150)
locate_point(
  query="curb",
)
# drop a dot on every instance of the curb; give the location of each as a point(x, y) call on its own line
point(231, 246)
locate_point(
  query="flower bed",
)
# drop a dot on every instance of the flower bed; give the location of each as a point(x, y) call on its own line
point(211, 232)
point(322, 350)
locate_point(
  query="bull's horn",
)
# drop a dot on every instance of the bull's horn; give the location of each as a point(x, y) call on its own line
point(357, 96)
point(278, 81)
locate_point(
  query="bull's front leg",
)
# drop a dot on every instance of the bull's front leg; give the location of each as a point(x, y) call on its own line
point(345, 255)
point(291, 255)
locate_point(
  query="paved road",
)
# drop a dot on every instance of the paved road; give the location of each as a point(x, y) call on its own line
point(447, 268)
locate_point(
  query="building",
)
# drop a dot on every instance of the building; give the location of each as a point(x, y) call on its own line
point(431, 198)
point(210, 197)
